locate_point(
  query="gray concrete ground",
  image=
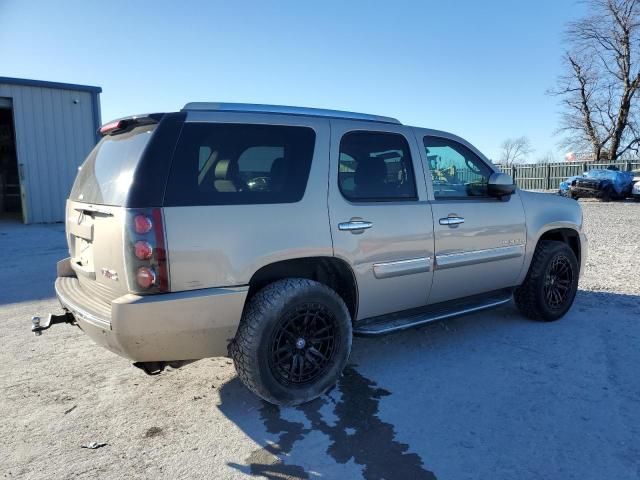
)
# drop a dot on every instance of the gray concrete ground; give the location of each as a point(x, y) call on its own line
point(489, 396)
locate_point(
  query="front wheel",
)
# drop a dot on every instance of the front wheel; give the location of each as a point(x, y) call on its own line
point(551, 283)
point(293, 341)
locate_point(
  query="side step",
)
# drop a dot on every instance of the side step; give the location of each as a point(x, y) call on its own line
point(395, 322)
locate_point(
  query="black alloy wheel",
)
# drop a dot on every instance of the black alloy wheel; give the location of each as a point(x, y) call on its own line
point(558, 281)
point(303, 345)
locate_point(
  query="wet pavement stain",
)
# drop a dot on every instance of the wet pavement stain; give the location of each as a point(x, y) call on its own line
point(358, 434)
point(267, 461)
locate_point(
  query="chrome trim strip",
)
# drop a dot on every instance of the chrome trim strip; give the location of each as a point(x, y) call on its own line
point(402, 267)
point(86, 316)
point(453, 260)
point(441, 316)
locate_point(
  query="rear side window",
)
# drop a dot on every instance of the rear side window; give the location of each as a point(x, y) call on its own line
point(375, 166)
point(235, 164)
point(107, 173)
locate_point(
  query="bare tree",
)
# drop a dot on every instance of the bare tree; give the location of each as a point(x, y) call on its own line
point(546, 158)
point(515, 150)
point(598, 89)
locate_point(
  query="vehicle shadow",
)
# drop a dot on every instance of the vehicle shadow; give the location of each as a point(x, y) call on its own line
point(28, 255)
point(478, 394)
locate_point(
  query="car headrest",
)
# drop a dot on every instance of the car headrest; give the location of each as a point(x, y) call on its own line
point(222, 169)
point(278, 173)
point(370, 170)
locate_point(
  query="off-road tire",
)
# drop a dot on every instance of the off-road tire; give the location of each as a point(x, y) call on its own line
point(530, 296)
point(263, 316)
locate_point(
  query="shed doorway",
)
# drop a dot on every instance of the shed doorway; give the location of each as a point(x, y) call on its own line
point(10, 199)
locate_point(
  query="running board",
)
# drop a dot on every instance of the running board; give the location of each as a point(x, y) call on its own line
point(394, 322)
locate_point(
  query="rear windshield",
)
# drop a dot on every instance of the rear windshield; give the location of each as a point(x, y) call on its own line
point(106, 175)
point(232, 164)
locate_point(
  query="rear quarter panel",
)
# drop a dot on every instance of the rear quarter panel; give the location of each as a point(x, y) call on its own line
point(224, 245)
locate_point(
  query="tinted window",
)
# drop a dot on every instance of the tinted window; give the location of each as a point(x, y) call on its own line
point(107, 173)
point(230, 164)
point(456, 172)
point(375, 166)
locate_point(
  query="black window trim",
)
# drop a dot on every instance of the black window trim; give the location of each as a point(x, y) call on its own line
point(427, 169)
point(378, 200)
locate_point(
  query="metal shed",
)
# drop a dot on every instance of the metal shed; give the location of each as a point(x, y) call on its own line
point(46, 131)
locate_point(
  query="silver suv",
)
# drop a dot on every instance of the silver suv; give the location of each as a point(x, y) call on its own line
point(274, 234)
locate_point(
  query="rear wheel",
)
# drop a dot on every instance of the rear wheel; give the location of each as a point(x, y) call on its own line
point(293, 341)
point(551, 283)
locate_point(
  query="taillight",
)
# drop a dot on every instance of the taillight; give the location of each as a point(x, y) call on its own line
point(143, 250)
point(145, 277)
point(146, 255)
point(142, 224)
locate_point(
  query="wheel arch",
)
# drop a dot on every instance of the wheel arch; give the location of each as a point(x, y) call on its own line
point(330, 271)
point(566, 235)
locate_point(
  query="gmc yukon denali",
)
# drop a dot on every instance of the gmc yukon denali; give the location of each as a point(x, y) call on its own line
point(274, 234)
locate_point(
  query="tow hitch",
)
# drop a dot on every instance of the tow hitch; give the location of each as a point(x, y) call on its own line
point(37, 326)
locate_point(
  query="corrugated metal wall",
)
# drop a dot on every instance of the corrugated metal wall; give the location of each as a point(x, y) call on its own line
point(53, 136)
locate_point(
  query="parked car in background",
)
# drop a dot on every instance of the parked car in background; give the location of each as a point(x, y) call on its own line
point(605, 184)
point(565, 186)
point(273, 234)
point(635, 189)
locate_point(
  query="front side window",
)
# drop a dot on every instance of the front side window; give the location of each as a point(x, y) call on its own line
point(232, 164)
point(375, 166)
point(456, 172)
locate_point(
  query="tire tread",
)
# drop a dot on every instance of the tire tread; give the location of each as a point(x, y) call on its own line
point(525, 295)
point(244, 347)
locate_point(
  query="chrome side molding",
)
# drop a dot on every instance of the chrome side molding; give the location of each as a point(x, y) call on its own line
point(453, 260)
point(402, 267)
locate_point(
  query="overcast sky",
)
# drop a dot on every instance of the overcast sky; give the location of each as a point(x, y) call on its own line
point(478, 69)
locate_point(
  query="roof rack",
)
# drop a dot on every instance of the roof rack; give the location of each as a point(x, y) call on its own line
point(309, 112)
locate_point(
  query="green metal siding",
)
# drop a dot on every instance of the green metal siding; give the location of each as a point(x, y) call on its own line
point(55, 129)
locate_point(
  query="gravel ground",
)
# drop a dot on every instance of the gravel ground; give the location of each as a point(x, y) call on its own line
point(490, 395)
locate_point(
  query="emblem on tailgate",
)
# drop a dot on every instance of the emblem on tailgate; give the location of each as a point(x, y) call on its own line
point(110, 274)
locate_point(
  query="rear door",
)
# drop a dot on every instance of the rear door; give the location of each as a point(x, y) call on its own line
point(479, 240)
point(381, 221)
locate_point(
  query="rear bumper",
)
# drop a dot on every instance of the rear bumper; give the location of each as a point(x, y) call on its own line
point(172, 326)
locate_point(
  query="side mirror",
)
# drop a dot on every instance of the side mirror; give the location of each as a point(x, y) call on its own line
point(500, 185)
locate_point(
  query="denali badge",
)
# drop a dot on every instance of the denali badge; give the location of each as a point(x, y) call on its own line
point(110, 274)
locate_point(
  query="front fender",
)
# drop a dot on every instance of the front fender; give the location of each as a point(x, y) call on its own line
point(545, 212)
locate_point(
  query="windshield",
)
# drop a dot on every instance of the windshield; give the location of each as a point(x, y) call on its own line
point(106, 175)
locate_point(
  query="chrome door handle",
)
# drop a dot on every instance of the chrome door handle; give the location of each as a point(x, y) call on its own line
point(354, 225)
point(451, 221)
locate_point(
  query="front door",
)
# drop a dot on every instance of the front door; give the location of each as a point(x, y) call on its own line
point(479, 240)
point(381, 221)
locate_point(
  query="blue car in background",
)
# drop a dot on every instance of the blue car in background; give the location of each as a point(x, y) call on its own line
point(605, 184)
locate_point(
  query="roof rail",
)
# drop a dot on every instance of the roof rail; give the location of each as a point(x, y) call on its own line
point(310, 112)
